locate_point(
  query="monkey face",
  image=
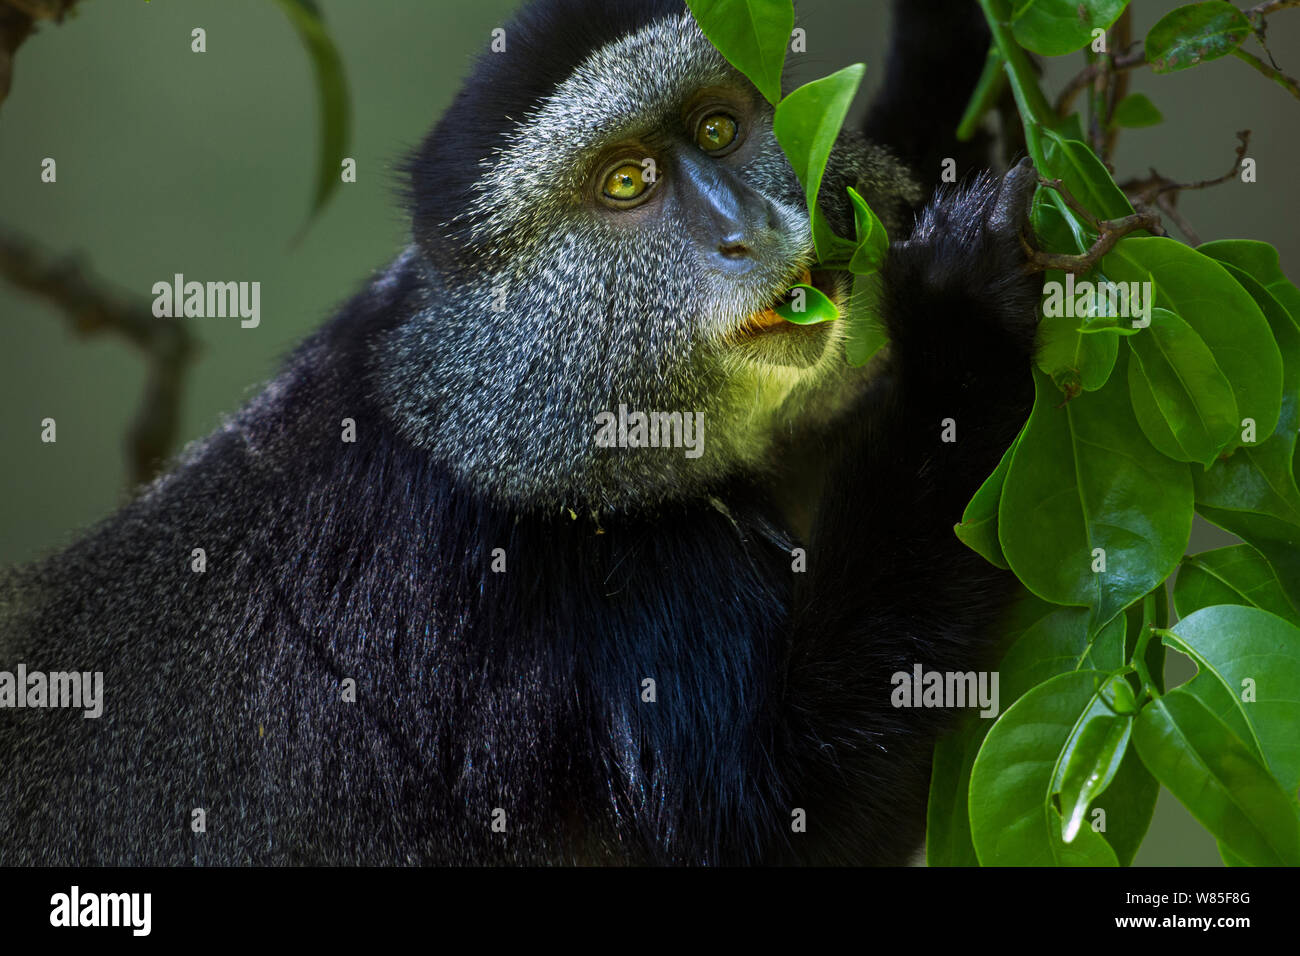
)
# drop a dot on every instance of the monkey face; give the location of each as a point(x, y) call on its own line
point(621, 240)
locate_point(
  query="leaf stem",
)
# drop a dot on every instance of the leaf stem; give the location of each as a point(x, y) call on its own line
point(989, 89)
point(1277, 76)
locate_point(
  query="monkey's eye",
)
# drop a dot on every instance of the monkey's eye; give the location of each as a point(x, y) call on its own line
point(625, 183)
point(716, 132)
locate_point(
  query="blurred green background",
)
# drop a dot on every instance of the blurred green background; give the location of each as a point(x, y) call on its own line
point(172, 161)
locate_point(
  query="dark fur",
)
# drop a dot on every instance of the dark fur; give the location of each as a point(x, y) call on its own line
point(521, 690)
point(936, 55)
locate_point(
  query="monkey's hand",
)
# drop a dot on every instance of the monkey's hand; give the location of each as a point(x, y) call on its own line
point(956, 297)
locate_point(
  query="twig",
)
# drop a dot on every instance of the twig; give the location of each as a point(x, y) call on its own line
point(167, 343)
point(1270, 6)
point(1163, 192)
point(1110, 232)
point(1128, 60)
point(1070, 201)
point(1277, 76)
point(1117, 81)
point(17, 21)
point(1167, 202)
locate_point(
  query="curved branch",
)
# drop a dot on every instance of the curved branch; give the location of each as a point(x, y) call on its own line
point(92, 310)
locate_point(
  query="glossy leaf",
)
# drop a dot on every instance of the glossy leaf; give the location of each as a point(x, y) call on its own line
point(1057, 27)
point(1196, 33)
point(1093, 758)
point(1043, 640)
point(752, 34)
point(1233, 575)
point(1087, 178)
point(1236, 644)
point(978, 529)
point(1221, 312)
point(1182, 400)
point(1058, 643)
point(1084, 477)
point(806, 124)
point(1259, 477)
point(1261, 261)
point(872, 239)
point(1013, 819)
point(1073, 360)
point(817, 307)
point(1217, 778)
point(1129, 803)
point(1277, 541)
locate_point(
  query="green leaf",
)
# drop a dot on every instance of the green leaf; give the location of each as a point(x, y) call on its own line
point(1221, 312)
point(752, 34)
point(1054, 230)
point(1180, 397)
point(947, 820)
point(1278, 541)
point(1217, 778)
point(332, 94)
point(873, 240)
point(1136, 111)
point(1044, 640)
point(1087, 178)
point(1259, 477)
point(1084, 477)
point(1093, 756)
point(816, 307)
point(1194, 34)
point(866, 332)
point(1130, 803)
point(1261, 261)
point(947, 838)
point(1237, 644)
point(806, 124)
point(1057, 27)
point(1013, 819)
point(1234, 575)
point(1073, 360)
point(978, 529)
point(1058, 643)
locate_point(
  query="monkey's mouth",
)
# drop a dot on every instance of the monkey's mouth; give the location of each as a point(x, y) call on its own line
point(767, 321)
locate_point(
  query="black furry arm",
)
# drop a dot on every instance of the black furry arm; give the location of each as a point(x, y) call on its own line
point(889, 585)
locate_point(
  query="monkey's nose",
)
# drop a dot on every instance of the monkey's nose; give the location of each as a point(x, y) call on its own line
point(735, 247)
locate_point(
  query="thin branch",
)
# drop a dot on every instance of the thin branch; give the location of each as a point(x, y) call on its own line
point(1117, 81)
point(1070, 201)
point(1277, 76)
point(1131, 59)
point(1270, 6)
point(1167, 202)
point(1110, 232)
point(17, 21)
point(92, 310)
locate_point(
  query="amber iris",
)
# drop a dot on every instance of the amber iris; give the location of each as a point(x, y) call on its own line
point(625, 183)
point(716, 132)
